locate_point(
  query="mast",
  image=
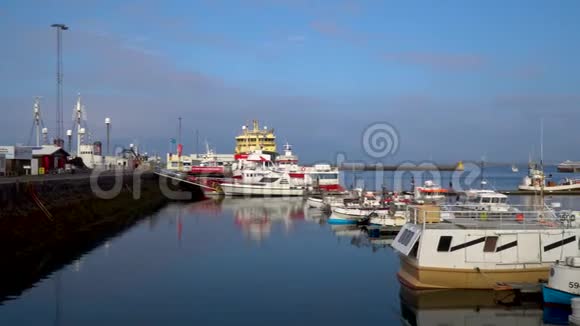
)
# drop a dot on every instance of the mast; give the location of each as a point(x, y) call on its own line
point(78, 116)
point(37, 119)
point(542, 184)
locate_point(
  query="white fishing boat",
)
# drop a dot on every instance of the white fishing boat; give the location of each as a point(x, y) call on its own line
point(515, 169)
point(564, 282)
point(387, 220)
point(357, 212)
point(430, 192)
point(482, 252)
point(482, 200)
point(271, 185)
point(315, 202)
point(536, 181)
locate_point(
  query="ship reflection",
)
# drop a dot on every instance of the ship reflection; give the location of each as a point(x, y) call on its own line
point(256, 216)
point(476, 307)
point(363, 237)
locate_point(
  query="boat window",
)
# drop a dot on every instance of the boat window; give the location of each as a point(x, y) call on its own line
point(406, 237)
point(503, 200)
point(495, 200)
point(490, 243)
point(444, 243)
point(265, 179)
point(415, 249)
point(485, 200)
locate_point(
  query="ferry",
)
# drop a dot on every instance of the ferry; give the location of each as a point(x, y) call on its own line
point(273, 184)
point(255, 139)
point(482, 253)
point(569, 166)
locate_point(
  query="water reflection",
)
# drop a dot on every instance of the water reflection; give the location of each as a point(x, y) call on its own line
point(255, 216)
point(470, 307)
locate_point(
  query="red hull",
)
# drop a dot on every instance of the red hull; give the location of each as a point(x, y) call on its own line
point(207, 170)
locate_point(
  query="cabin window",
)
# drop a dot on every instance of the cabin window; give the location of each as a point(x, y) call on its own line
point(444, 243)
point(406, 237)
point(490, 243)
point(485, 200)
point(495, 200)
point(415, 249)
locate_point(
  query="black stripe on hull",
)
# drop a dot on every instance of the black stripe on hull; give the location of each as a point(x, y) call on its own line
point(559, 243)
point(507, 246)
point(468, 244)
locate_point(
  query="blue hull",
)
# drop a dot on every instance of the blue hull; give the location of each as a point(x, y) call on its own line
point(556, 296)
point(341, 221)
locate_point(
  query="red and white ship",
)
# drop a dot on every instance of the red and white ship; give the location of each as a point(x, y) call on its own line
point(252, 167)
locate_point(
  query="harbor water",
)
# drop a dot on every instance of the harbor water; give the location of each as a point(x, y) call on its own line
point(500, 178)
point(241, 261)
point(252, 262)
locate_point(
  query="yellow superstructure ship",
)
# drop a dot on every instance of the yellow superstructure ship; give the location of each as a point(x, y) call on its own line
point(255, 139)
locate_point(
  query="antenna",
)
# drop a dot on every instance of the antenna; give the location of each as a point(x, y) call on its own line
point(37, 119)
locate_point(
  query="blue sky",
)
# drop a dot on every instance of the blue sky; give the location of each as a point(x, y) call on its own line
point(457, 80)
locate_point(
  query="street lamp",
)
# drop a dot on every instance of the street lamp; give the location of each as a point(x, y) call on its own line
point(59, 116)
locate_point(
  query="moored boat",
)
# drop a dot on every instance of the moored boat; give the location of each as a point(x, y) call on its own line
point(315, 202)
point(564, 282)
point(430, 192)
point(536, 181)
point(482, 252)
point(274, 184)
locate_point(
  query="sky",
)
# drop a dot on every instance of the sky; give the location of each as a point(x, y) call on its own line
point(455, 80)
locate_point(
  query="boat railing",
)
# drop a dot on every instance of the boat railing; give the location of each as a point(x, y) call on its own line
point(432, 216)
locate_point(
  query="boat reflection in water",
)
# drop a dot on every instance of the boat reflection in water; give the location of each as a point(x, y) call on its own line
point(255, 216)
point(476, 307)
point(361, 237)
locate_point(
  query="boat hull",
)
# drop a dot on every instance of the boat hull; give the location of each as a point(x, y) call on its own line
point(232, 189)
point(420, 278)
point(356, 213)
point(555, 296)
point(550, 188)
point(315, 202)
point(339, 220)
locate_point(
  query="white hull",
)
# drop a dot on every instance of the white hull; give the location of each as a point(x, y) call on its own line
point(356, 213)
point(388, 221)
point(550, 188)
point(315, 203)
point(233, 189)
point(565, 278)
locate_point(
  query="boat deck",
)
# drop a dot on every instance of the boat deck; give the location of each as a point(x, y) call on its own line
point(499, 224)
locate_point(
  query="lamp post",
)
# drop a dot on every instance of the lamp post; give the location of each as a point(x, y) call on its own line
point(108, 124)
point(44, 136)
point(59, 116)
point(69, 136)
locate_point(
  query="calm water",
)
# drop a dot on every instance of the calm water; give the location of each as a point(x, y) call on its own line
point(497, 177)
point(247, 262)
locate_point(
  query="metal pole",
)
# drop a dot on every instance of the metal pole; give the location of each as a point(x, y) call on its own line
point(179, 132)
point(59, 78)
point(108, 123)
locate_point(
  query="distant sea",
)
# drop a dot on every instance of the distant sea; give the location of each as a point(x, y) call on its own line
point(496, 177)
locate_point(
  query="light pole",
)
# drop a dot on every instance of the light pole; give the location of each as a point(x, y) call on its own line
point(59, 116)
point(69, 136)
point(44, 136)
point(108, 123)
